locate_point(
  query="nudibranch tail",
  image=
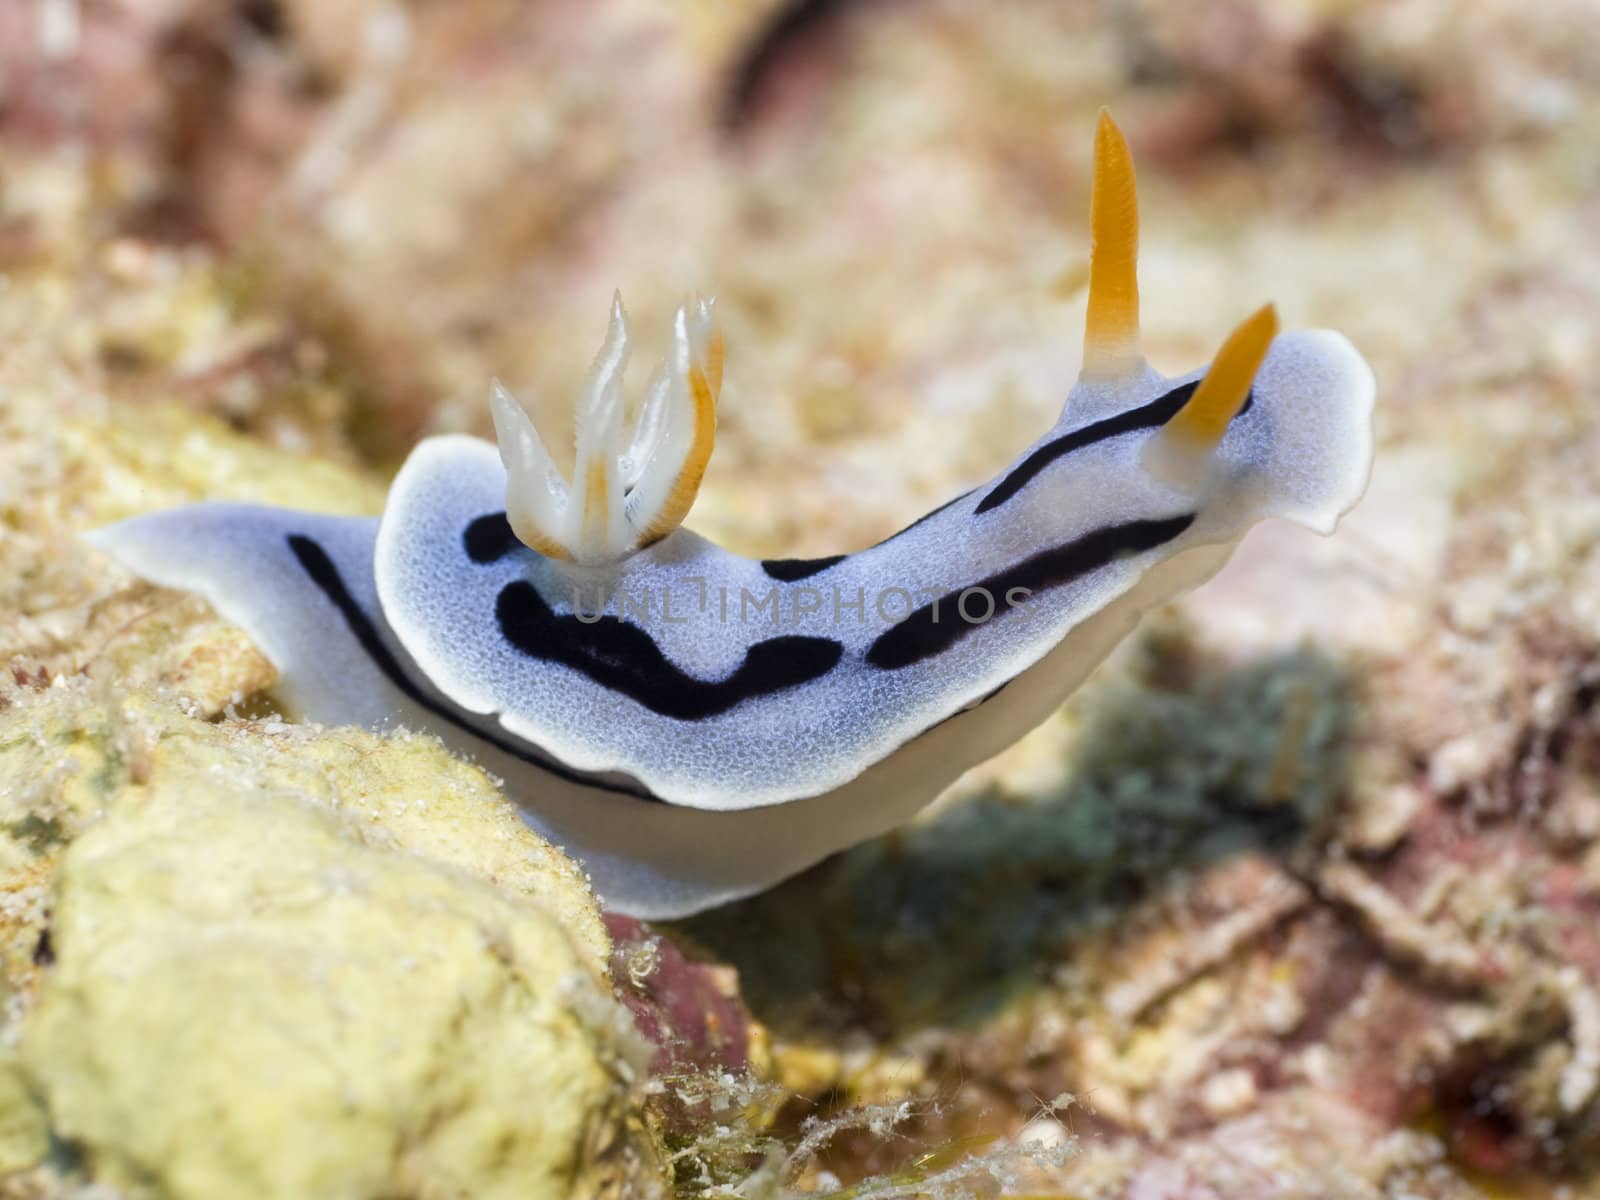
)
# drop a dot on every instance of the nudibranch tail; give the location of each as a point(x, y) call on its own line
point(633, 481)
point(1111, 328)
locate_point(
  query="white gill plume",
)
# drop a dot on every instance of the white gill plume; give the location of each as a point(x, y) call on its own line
point(633, 479)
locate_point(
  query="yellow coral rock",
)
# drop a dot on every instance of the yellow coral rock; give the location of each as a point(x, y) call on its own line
point(24, 1137)
point(259, 993)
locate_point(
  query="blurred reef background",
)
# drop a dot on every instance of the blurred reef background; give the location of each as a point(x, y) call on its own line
point(1300, 897)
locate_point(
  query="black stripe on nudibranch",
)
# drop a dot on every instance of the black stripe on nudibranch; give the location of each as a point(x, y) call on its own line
point(930, 630)
point(789, 570)
point(1146, 416)
point(620, 656)
point(489, 538)
point(314, 561)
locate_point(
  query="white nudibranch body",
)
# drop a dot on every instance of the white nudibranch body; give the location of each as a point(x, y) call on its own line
point(695, 726)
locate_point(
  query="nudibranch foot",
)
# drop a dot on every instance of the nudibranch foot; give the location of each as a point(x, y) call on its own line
point(695, 725)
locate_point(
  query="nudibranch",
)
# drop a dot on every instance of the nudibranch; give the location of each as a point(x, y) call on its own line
point(693, 725)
